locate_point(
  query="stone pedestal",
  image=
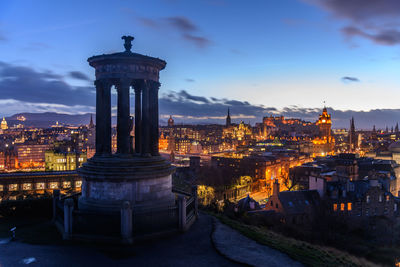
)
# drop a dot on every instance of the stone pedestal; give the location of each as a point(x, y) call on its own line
point(145, 182)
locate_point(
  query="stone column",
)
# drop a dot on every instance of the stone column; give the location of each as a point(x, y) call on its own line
point(68, 209)
point(126, 222)
point(154, 131)
point(138, 116)
point(146, 149)
point(123, 117)
point(103, 117)
point(182, 212)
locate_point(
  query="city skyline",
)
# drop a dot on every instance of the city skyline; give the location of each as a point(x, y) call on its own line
point(281, 58)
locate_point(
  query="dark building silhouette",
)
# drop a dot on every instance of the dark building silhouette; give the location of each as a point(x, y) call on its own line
point(228, 119)
point(352, 136)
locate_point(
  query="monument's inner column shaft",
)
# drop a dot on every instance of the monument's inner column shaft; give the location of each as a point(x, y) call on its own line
point(123, 117)
point(146, 117)
point(103, 118)
point(138, 117)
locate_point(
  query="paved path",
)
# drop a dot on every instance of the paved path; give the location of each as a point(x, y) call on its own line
point(193, 248)
point(239, 248)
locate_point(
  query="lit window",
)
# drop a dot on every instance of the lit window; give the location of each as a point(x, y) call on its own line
point(368, 199)
point(13, 187)
point(27, 186)
point(380, 198)
point(335, 207)
point(1, 187)
point(387, 198)
point(40, 186)
point(53, 185)
point(78, 184)
point(66, 184)
point(349, 206)
point(342, 206)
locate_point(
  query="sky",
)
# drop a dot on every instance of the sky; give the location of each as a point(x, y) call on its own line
point(258, 57)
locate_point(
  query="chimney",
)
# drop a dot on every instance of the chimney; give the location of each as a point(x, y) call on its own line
point(275, 191)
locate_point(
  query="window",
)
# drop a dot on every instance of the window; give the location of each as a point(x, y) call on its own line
point(78, 184)
point(335, 207)
point(272, 203)
point(387, 198)
point(290, 203)
point(395, 207)
point(40, 186)
point(341, 206)
point(368, 199)
point(1, 187)
point(13, 187)
point(27, 186)
point(349, 206)
point(276, 205)
point(66, 184)
point(380, 198)
point(53, 185)
point(307, 203)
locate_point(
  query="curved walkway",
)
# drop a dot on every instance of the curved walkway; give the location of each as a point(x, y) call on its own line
point(239, 248)
point(193, 248)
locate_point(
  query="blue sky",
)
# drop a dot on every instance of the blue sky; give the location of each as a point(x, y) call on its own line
point(276, 53)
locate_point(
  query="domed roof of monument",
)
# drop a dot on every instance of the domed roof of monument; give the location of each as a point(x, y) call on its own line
point(127, 56)
point(394, 147)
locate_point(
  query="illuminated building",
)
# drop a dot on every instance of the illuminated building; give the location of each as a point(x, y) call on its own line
point(21, 118)
point(4, 125)
point(324, 144)
point(324, 124)
point(170, 121)
point(59, 161)
point(163, 142)
point(30, 155)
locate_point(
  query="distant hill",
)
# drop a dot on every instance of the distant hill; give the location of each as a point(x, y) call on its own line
point(47, 119)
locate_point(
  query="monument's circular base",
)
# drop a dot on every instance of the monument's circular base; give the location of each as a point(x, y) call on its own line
point(109, 181)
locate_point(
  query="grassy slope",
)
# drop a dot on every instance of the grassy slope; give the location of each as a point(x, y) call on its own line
point(306, 253)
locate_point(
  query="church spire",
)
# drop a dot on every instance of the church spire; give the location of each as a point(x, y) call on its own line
point(228, 119)
point(91, 124)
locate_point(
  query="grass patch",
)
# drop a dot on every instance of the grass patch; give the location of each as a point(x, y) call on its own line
point(304, 252)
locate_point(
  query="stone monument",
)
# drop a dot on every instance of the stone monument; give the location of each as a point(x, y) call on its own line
point(139, 176)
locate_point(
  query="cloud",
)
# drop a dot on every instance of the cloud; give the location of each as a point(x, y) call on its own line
point(187, 108)
point(189, 80)
point(348, 79)
point(79, 75)
point(25, 89)
point(199, 41)
point(181, 25)
point(29, 85)
point(361, 10)
point(375, 20)
point(148, 22)
point(386, 37)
